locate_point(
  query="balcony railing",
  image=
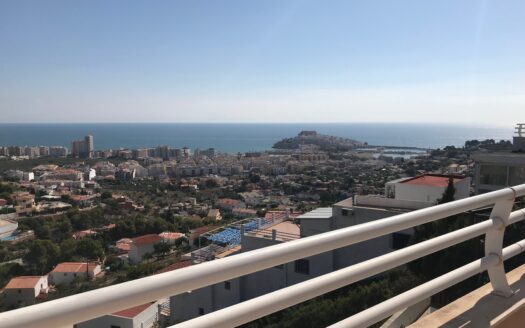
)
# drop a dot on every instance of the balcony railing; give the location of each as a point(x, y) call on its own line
point(81, 307)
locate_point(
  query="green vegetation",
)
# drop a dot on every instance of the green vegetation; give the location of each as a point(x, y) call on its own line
point(340, 304)
point(6, 190)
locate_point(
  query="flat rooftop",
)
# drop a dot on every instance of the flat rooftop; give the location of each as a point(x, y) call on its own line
point(318, 213)
point(285, 227)
point(500, 157)
point(285, 231)
point(228, 252)
point(349, 202)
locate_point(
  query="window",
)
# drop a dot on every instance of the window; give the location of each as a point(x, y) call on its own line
point(302, 266)
point(201, 311)
point(19, 291)
point(344, 212)
point(74, 274)
point(227, 285)
point(65, 274)
point(400, 240)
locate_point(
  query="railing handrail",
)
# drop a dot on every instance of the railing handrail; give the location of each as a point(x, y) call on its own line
point(384, 309)
point(283, 298)
point(91, 304)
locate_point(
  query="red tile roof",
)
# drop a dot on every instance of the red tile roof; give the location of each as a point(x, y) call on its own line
point(431, 180)
point(74, 267)
point(175, 266)
point(199, 231)
point(23, 282)
point(171, 235)
point(79, 198)
point(134, 311)
point(84, 233)
point(229, 202)
point(244, 211)
point(146, 240)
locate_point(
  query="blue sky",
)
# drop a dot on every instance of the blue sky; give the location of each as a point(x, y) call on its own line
point(262, 61)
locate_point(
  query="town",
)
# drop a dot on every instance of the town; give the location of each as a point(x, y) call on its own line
point(85, 219)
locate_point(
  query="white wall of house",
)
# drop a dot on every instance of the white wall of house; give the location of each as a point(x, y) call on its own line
point(58, 278)
point(136, 253)
point(145, 319)
point(424, 193)
point(27, 296)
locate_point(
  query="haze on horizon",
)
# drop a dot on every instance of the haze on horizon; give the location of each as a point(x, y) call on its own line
point(262, 61)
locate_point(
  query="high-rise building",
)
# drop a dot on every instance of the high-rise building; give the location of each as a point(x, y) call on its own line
point(88, 142)
point(44, 150)
point(83, 148)
point(162, 152)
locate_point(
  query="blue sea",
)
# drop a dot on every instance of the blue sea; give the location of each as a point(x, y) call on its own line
point(233, 138)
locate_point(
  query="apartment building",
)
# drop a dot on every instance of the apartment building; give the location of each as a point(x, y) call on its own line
point(499, 169)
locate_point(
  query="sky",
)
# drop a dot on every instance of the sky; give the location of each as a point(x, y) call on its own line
point(438, 61)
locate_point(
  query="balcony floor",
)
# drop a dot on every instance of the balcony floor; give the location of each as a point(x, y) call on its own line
point(480, 308)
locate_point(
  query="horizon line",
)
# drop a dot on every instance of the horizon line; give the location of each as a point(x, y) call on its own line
point(265, 123)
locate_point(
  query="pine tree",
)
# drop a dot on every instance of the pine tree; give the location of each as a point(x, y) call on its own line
point(450, 192)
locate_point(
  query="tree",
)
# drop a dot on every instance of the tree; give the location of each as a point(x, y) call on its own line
point(90, 249)
point(68, 250)
point(449, 193)
point(254, 178)
point(42, 256)
point(105, 195)
point(162, 248)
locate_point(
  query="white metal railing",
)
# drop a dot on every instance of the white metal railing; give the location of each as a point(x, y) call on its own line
point(81, 307)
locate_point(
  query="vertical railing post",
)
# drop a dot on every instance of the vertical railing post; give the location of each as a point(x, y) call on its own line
point(494, 246)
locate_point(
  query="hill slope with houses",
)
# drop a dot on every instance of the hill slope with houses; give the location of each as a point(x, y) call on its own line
point(324, 142)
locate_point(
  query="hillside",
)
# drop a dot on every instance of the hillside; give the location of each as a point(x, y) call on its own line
point(324, 142)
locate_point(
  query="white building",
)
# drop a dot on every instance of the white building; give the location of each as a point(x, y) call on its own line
point(141, 316)
point(427, 188)
point(252, 198)
point(24, 290)
point(141, 246)
point(21, 175)
point(66, 272)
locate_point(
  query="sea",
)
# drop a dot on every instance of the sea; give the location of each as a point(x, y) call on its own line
point(233, 138)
